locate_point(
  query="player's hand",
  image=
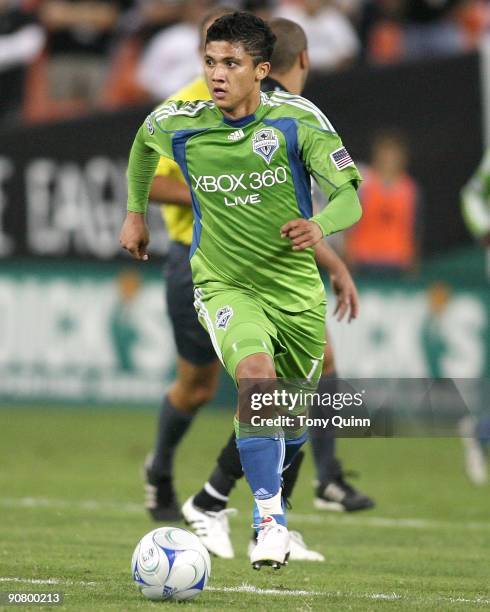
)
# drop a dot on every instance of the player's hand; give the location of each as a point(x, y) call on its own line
point(135, 236)
point(302, 233)
point(346, 293)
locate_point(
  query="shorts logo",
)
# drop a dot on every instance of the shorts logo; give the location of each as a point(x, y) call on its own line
point(223, 316)
point(265, 143)
point(149, 125)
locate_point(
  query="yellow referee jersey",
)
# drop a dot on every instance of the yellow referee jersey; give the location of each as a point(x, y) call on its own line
point(178, 219)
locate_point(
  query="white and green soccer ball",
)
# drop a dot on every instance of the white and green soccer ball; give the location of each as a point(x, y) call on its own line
point(170, 563)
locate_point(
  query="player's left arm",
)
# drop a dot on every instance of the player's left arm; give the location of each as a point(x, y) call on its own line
point(341, 281)
point(342, 211)
point(327, 160)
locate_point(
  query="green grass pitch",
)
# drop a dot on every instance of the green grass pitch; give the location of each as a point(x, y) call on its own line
point(71, 513)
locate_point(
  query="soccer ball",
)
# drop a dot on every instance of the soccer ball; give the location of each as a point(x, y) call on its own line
point(170, 563)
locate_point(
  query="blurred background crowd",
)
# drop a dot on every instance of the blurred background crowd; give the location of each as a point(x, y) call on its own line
point(63, 58)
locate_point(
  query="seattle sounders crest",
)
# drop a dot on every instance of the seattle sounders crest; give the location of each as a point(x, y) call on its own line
point(265, 143)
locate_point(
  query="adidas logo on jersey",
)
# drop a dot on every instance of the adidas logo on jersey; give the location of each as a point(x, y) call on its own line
point(236, 135)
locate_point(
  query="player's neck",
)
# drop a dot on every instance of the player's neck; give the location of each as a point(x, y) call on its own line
point(244, 109)
point(291, 82)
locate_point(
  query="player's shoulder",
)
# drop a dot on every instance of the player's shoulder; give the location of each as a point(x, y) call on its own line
point(174, 115)
point(301, 109)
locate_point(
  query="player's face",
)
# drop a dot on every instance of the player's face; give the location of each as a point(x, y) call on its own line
point(232, 78)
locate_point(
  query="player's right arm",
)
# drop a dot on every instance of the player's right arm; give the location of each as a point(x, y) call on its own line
point(143, 159)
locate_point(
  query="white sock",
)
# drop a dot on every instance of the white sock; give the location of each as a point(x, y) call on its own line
point(272, 505)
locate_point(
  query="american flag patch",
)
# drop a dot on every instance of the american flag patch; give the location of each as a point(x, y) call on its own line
point(341, 158)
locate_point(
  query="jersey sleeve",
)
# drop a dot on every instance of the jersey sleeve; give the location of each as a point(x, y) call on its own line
point(325, 157)
point(329, 163)
point(152, 142)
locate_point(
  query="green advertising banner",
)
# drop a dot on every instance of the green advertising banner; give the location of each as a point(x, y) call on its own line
point(83, 333)
point(98, 333)
point(416, 331)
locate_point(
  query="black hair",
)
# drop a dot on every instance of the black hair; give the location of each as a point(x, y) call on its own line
point(249, 30)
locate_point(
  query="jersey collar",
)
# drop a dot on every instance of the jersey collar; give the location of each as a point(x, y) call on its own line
point(248, 119)
point(243, 121)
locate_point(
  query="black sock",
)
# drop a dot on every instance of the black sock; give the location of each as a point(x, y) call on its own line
point(290, 475)
point(172, 425)
point(214, 494)
point(229, 459)
point(323, 440)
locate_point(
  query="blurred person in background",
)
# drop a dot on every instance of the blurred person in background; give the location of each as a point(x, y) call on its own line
point(149, 17)
point(262, 8)
point(333, 43)
point(434, 338)
point(197, 366)
point(137, 26)
point(172, 57)
point(432, 28)
point(80, 34)
point(123, 328)
point(381, 31)
point(475, 201)
point(21, 40)
point(386, 240)
point(395, 30)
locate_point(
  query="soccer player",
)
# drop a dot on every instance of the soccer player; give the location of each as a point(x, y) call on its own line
point(475, 429)
point(205, 511)
point(248, 158)
point(197, 364)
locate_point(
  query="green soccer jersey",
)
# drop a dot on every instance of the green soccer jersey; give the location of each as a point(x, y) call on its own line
point(248, 177)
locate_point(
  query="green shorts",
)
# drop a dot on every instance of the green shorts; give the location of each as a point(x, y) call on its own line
point(240, 325)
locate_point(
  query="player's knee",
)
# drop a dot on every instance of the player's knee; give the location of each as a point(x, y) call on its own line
point(190, 395)
point(201, 394)
point(258, 365)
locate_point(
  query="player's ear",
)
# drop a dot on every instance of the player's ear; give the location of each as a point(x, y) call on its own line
point(262, 70)
point(304, 59)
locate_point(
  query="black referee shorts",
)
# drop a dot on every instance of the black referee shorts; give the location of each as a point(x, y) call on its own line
point(192, 340)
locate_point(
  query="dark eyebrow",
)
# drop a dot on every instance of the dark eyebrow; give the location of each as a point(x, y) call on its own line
point(224, 59)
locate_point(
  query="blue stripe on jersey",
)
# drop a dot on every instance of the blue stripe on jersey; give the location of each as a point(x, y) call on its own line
point(179, 141)
point(301, 179)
